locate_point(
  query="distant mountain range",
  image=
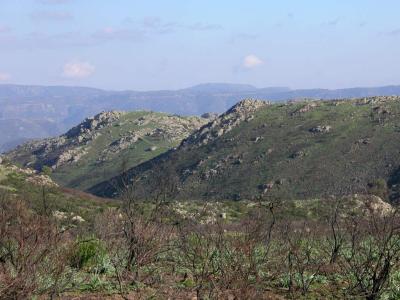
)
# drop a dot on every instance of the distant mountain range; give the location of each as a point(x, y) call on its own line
point(30, 112)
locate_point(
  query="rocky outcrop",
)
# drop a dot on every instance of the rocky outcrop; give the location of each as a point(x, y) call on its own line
point(172, 129)
point(371, 204)
point(69, 147)
point(306, 108)
point(84, 131)
point(41, 180)
point(103, 137)
point(243, 111)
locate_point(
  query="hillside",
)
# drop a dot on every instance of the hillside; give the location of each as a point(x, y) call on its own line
point(297, 150)
point(41, 193)
point(29, 112)
point(101, 147)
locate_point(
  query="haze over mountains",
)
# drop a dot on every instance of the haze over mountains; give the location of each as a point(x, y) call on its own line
point(30, 112)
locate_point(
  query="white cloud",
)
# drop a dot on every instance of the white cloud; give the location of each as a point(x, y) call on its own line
point(4, 76)
point(78, 70)
point(252, 61)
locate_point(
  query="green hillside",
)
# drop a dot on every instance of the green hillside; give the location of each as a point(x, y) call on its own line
point(103, 146)
point(45, 197)
point(297, 150)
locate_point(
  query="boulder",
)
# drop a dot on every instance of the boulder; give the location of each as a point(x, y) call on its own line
point(321, 129)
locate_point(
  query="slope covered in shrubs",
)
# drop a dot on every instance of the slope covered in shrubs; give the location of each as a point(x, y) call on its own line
point(296, 150)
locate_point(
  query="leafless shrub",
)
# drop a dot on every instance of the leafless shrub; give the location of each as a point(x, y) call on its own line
point(32, 253)
point(304, 260)
point(222, 259)
point(372, 252)
point(335, 234)
point(138, 233)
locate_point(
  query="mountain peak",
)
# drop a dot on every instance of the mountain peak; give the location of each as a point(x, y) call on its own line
point(247, 105)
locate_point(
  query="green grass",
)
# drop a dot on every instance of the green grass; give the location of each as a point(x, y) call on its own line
point(89, 171)
point(337, 162)
point(57, 199)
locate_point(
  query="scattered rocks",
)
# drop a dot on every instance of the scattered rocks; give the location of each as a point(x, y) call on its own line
point(257, 139)
point(209, 174)
point(41, 180)
point(123, 143)
point(69, 156)
point(78, 219)
point(298, 154)
point(321, 129)
point(152, 148)
point(80, 140)
point(280, 181)
point(365, 141)
point(243, 111)
point(83, 131)
point(306, 108)
point(60, 215)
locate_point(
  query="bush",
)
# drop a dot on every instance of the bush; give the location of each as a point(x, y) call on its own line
point(47, 170)
point(89, 254)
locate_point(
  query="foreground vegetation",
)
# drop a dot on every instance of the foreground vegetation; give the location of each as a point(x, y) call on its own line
point(264, 249)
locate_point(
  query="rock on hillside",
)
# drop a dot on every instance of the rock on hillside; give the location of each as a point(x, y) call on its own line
point(101, 145)
point(65, 149)
point(243, 111)
point(295, 150)
point(28, 175)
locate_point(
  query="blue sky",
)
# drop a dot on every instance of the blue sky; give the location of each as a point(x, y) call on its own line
point(154, 44)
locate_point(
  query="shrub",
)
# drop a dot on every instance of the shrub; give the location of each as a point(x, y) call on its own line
point(89, 254)
point(46, 170)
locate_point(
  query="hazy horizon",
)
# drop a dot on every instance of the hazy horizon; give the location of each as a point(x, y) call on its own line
point(195, 85)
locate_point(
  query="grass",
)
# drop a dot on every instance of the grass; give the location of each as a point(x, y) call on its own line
point(89, 171)
point(356, 151)
point(70, 202)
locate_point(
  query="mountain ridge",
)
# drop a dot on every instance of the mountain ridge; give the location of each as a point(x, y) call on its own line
point(53, 110)
point(100, 146)
point(296, 150)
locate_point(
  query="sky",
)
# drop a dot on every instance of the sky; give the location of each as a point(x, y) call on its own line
point(173, 44)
